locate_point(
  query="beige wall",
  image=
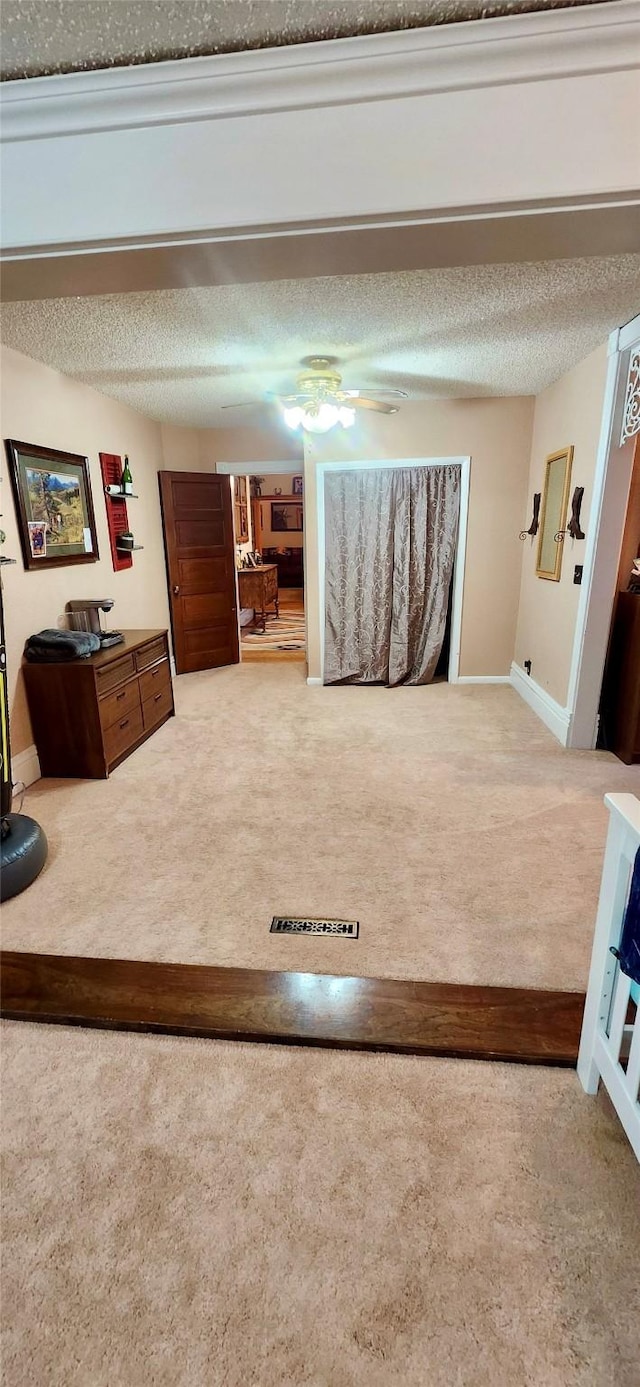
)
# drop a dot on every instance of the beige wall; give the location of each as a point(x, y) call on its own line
point(282, 481)
point(496, 434)
point(181, 449)
point(568, 412)
point(41, 406)
point(199, 450)
point(249, 445)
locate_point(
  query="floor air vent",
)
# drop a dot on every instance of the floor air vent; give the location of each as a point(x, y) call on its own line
point(300, 924)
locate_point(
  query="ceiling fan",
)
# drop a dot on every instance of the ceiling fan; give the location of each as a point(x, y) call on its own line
point(319, 403)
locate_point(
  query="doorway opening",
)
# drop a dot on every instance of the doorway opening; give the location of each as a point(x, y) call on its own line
point(269, 540)
point(619, 728)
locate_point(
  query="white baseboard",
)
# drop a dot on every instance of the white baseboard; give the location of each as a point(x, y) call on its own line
point(482, 679)
point(312, 680)
point(556, 718)
point(25, 766)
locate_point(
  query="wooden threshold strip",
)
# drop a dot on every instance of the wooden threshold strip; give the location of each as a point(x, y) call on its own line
point(418, 1018)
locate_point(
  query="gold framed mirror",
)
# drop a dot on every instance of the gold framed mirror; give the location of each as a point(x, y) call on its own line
point(555, 499)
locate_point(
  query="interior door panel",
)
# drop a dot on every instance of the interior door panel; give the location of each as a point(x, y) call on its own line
point(197, 519)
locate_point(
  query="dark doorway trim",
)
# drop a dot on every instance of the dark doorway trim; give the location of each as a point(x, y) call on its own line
point(522, 1025)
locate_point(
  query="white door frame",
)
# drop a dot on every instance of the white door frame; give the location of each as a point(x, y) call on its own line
point(362, 465)
point(612, 479)
point(266, 469)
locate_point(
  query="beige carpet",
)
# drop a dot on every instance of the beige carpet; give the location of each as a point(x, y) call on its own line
point(447, 820)
point(191, 1214)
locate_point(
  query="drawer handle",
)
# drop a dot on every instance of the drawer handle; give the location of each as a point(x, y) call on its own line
point(124, 724)
point(155, 674)
point(121, 695)
point(156, 697)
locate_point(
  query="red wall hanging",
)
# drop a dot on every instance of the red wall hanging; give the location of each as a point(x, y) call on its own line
point(117, 520)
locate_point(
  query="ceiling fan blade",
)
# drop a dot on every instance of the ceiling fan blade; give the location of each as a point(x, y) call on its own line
point(269, 398)
point(396, 394)
point(377, 405)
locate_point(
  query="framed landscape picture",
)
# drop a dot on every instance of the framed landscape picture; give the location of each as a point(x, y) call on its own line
point(52, 492)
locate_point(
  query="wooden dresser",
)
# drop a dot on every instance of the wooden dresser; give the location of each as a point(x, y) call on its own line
point(258, 588)
point(89, 715)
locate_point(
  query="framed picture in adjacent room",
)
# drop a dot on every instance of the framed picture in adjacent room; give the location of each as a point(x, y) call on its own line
point(54, 507)
point(297, 486)
point(286, 515)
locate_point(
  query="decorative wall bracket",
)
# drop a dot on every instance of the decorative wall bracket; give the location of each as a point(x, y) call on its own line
point(535, 519)
point(573, 528)
point(117, 520)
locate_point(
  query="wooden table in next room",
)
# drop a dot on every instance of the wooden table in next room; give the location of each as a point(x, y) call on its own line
point(258, 588)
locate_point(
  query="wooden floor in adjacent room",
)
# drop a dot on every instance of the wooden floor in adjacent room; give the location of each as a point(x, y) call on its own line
point(421, 1018)
point(285, 636)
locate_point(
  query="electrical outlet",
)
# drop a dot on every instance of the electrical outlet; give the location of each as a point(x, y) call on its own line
point(527, 666)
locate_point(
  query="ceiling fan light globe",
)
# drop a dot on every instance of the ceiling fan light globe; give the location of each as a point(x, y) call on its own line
point(293, 416)
point(320, 417)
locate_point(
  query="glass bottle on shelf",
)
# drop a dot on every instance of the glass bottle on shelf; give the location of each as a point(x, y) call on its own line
point(126, 480)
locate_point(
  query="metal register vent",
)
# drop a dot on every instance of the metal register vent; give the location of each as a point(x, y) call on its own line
point(301, 924)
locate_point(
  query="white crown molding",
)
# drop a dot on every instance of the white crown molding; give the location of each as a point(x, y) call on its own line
point(550, 712)
point(494, 52)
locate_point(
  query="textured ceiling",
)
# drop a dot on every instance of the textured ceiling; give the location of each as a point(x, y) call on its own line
point(179, 355)
point(46, 36)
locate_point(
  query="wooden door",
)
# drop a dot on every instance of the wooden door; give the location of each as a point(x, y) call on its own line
point(197, 519)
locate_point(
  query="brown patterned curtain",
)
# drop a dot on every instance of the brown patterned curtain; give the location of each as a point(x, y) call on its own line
point(390, 547)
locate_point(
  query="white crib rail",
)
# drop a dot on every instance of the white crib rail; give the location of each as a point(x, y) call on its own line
point(607, 1038)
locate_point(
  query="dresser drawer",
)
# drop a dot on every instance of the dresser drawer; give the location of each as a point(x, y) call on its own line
point(153, 679)
point(114, 673)
point(157, 707)
point(155, 650)
point(115, 706)
point(250, 587)
point(122, 734)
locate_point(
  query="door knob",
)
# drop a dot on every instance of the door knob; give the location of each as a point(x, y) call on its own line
point(176, 589)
